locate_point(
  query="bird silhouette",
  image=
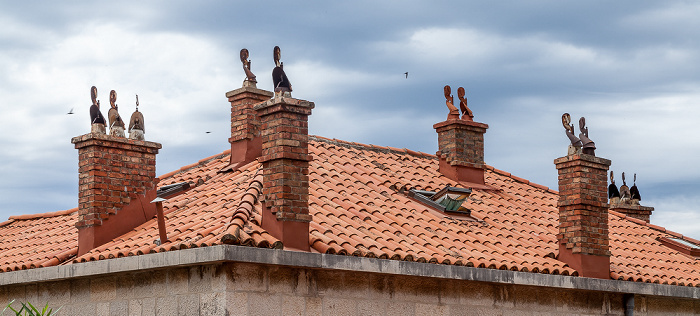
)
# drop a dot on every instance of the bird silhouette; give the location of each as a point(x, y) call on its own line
point(406, 73)
point(70, 112)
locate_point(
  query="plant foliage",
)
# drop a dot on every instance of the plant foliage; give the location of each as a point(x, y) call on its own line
point(29, 310)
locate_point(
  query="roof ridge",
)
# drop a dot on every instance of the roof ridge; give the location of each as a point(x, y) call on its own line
point(39, 215)
point(519, 179)
point(422, 154)
point(200, 162)
point(385, 149)
point(652, 226)
point(241, 215)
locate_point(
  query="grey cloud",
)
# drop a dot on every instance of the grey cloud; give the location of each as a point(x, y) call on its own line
point(629, 67)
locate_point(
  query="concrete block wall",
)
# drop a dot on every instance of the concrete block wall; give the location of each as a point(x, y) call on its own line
point(184, 291)
point(259, 289)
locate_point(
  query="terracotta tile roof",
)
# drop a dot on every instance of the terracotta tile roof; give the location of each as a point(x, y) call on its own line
point(39, 240)
point(220, 205)
point(637, 255)
point(359, 209)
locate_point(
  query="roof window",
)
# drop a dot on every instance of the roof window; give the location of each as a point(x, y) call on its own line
point(681, 245)
point(449, 199)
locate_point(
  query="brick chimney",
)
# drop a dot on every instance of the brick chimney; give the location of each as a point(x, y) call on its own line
point(461, 149)
point(633, 210)
point(117, 182)
point(583, 214)
point(246, 144)
point(285, 160)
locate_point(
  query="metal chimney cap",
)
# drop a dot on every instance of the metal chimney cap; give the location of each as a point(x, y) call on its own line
point(158, 199)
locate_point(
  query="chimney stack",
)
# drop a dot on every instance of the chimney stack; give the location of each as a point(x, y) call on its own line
point(633, 210)
point(117, 181)
point(626, 200)
point(246, 144)
point(583, 214)
point(285, 160)
point(461, 143)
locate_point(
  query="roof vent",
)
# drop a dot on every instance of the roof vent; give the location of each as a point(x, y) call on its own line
point(168, 191)
point(163, 194)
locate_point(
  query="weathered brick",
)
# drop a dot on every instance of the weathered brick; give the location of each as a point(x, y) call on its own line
point(583, 208)
point(461, 144)
point(285, 157)
point(104, 173)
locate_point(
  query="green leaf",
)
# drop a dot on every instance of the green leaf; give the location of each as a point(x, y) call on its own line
point(30, 310)
point(27, 311)
point(55, 312)
point(33, 311)
point(8, 306)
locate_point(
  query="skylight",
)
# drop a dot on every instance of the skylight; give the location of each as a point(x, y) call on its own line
point(685, 243)
point(449, 199)
point(681, 245)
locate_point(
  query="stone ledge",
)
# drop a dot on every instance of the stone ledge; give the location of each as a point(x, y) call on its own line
point(303, 105)
point(104, 140)
point(229, 253)
point(582, 159)
point(249, 89)
point(458, 123)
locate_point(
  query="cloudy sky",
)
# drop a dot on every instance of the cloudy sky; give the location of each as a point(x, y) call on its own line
point(630, 67)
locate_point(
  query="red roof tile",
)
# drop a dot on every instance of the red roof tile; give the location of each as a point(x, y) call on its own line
point(39, 240)
point(358, 209)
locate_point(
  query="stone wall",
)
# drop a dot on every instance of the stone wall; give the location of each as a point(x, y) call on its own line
point(260, 289)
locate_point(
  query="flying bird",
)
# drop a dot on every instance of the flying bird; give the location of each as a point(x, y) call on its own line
point(208, 132)
point(406, 73)
point(70, 112)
